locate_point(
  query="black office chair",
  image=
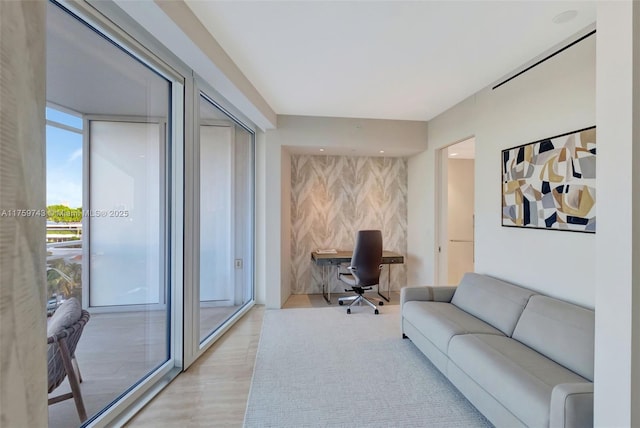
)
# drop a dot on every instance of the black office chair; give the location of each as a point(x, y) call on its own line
point(364, 271)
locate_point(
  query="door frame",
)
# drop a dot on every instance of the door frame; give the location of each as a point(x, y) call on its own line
point(441, 266)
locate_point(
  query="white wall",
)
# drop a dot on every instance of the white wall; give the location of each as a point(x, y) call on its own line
point(285, 261)
point(269, 217)
point(353, 137)
point(420, 237)
point(455, 125)
point(260, 276)
point(555, 97)
point(617, 354)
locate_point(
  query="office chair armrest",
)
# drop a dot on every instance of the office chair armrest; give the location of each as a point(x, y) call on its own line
point(427, 293)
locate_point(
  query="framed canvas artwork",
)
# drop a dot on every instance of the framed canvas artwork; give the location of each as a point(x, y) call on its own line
point(551, 183)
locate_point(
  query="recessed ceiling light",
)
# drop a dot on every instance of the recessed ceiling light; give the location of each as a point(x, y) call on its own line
point(453, 154)
point(322, 150)
point(565, 16)
point(381, 151)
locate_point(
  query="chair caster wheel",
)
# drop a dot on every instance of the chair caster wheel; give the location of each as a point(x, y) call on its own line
point(381, 303)
point(348, 311)
point(376, 312)
point(340, 302)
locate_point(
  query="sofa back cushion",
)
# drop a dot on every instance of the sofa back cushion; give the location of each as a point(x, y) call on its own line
point(560, 331)
point(494, 301)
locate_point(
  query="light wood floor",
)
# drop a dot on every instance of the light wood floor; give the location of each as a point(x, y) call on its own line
point(115, 350)
point(215, 389)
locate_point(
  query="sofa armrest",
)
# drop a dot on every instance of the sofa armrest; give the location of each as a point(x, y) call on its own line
point(571, 405)
point(428, 293)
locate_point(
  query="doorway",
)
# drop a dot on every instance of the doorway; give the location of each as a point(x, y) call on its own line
point(456, 224)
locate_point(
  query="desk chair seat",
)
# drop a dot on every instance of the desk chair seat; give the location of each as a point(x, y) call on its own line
point(364, 271)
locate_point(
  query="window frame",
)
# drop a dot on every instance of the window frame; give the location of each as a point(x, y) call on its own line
point(133, 399)
point(194, 347)
point(109, 21)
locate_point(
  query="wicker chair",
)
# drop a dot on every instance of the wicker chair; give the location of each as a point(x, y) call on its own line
point(61, 358)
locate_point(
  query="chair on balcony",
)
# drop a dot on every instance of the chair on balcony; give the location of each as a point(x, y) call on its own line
point(64, 331)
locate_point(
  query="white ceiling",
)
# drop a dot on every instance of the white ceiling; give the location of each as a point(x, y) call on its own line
point(382, 59)
point(90, 75)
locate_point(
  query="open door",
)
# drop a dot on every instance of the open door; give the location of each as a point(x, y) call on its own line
point(456, 219)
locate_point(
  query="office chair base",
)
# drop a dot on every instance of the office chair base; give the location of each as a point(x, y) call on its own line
point(358, 300)
point(376, 312)
point(341, 300)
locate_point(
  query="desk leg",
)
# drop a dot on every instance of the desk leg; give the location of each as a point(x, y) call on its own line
point(325, 283)
point(388, 297)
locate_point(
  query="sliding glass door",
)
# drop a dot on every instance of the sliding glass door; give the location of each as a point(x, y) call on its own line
point(225, 181)
point(110, 222)
point(150, 187)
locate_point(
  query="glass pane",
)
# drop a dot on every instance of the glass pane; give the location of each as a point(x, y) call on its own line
point(58, 116)
point(215, 214)
point(125, 214)
point(119, 162)
point(64, 215)
point(226, 217)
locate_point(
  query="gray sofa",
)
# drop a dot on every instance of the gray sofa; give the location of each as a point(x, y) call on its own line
point(521, 358)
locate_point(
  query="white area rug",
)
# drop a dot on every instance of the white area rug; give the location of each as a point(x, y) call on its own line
point(322, 367)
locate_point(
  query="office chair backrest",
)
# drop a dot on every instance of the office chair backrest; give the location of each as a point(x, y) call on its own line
point(367, 257)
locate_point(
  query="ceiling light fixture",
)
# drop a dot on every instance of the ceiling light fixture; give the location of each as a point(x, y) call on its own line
point(565, 16)
point(381, 151)
point(453, 154)
point(322, 150)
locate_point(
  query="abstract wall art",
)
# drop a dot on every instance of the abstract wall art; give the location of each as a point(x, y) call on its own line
point(551, 183)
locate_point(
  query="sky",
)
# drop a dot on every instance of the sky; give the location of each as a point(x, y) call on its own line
point(64, 160)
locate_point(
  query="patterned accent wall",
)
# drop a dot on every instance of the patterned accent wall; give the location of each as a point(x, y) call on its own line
point(332, 197)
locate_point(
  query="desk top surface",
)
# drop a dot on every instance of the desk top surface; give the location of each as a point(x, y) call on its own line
point(344, 256)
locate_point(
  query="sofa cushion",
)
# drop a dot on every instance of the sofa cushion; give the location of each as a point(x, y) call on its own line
point(514, 374)
point(439, 322)
point(494, 301)
point(562, 331)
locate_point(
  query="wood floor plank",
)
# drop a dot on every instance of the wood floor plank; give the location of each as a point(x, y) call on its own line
point(215, 387)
